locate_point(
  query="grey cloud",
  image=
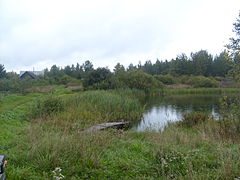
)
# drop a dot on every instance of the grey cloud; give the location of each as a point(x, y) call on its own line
point(35, 32)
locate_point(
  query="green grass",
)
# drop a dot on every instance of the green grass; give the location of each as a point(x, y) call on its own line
point(201, 91)
point(35, 147)
point(14, 123)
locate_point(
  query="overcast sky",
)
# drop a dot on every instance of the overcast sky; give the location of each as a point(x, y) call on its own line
point(40, 33)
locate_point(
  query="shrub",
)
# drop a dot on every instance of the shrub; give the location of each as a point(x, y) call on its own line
point(165, 79)
point(2, 96)
point(193, 118)
point(202, 82)
point(140, 80)
point(230, 122)
point(101, 78)
point(46, 106)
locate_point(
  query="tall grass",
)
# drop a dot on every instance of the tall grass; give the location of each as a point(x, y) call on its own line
point(230, 122)
point(192, 119)
point(54, 141)
point(201, 91)
point(127, 92)
point(45, 106)
point(112, 106)
point(200, 151)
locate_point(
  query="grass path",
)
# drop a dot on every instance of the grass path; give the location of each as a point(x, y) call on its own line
point(13, 120)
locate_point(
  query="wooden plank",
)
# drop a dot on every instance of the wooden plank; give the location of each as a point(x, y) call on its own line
point(98, 127)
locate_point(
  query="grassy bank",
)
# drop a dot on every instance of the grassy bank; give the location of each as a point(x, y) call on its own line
point(173, 91)
point(41, 133)
point(201, 91)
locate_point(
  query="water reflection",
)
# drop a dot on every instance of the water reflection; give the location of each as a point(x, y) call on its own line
point(162, 110)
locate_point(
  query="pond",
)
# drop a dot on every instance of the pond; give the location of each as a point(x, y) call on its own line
point(159, 111)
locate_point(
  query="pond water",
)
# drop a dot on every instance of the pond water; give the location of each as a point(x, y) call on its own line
point(159, 111)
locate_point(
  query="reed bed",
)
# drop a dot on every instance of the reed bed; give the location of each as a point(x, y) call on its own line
point(202, 91)
point(204, 149)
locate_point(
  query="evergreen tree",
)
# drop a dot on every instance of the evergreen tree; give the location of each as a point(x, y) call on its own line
point(221, 64)
point(234, 46)
point(119, 68)
point(87, 66)
point(202, 63)
point(2, 71)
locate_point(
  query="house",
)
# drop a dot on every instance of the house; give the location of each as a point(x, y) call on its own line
point(28, 75)
point(37, 73)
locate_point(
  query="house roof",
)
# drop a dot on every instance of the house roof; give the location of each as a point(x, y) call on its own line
point(30, 74)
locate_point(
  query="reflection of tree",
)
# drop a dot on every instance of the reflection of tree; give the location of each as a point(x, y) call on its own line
point(171, 108)
point(185, 103)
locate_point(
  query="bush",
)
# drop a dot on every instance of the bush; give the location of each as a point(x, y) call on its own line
point(193, 118)
point(230, 122)
point(46, 106)
point(202, 82)
point(101, 78)
point(140, 80)
point(165, 79)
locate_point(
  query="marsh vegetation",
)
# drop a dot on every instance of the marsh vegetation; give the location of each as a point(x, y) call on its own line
point(41, 120)
point(41, 132)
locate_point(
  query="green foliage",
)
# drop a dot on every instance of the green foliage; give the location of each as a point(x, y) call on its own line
point(128, 159)
point(202, 63)
point(46, 106)
point(119, 69)
point(87, 66)
point(2, 71)
point(165, 79)
point(230, 122)
point(101, 78)
point(202, 82)
point(35, 148)
point(111, 106)
point(201, 91)
point(175, 164)
point(182, 65)
point(193, 118)
point(235, 42)
point(65, 79)
point(20, 86)
point(235, 72)
point(221, 64)
point(140, 80)
point(234, 47)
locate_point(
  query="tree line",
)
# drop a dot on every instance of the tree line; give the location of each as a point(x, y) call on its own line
point(144, 76)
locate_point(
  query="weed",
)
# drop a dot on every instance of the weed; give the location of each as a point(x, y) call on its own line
point(45, 106)
point(193, 118)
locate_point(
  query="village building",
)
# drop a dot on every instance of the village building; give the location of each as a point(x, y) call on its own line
point(30, 74)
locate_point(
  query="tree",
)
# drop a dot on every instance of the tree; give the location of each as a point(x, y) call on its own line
point(11, 75)
point(68, 70)
point(222, 64)
point(87, 66)
point(140, 80)
point(98, 79)
point(2, 71)
point(148, 67)
point(131, 67)
point(181, 66)
point(54, 75)
point(119, 68)
point(202, 63)
point(234, 47)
